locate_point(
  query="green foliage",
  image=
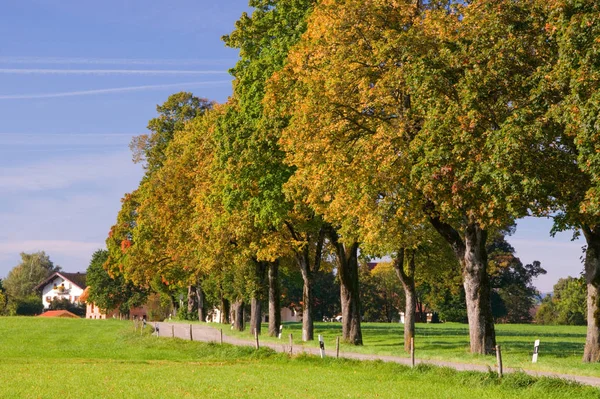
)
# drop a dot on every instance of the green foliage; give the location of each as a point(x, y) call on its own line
point(160, 307)
point(24, 277)
point(173, 114)
point(567, 305)
point(28, 306)
point(514, 295)
point(382, 298)
point(111, 292)
point(65, 304)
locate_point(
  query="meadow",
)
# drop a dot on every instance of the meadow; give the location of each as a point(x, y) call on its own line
point(78, 358)
point(561, 347)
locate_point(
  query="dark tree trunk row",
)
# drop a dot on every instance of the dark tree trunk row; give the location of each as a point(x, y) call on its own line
point(349, 289)
point(238, 315)
point(472, 254)
point(406, 275)
point(258, 296)
point(591, 352)
point(309, 265)
point(274, 299)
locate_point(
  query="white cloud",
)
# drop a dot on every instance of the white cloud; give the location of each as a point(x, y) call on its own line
point(43, 71)
point(112, 61)
point(112, 90)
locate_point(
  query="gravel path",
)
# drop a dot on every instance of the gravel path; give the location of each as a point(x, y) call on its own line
point(199, 332)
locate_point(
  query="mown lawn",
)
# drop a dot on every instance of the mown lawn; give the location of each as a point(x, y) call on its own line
point(66, 358)
point(561, 347)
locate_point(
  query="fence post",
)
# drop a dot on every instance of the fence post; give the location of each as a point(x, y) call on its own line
point(536, 350)
point(412, 352)
point(256, 338)
point(191, 335)
point(337, 347)
point(321, 346)
point(291, 344)
point(499, 360)
point(221, 336)
point(172, 330)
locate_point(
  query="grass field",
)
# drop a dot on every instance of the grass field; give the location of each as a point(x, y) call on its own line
point(78, 358)
point(561, 347)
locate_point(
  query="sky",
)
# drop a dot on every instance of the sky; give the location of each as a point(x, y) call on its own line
point(79, 79)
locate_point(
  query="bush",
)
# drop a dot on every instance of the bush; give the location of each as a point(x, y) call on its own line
point(65, 304)
point(29, 306)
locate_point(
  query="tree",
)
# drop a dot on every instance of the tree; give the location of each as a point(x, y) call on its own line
point(382, 299)
point(111, 292)
point(512, 282)
point(174, 113)
point(572, 103)
point(566, 305)
point(252, 172)
point(393, 95)
point(23, 278)
point(3, 299)
point(151, 244)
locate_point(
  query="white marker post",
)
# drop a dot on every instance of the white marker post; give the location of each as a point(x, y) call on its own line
point(280, 331)
point(536, 349)
point(321, 346)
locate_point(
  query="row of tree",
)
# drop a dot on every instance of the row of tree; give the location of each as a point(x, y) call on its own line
point(406, 128)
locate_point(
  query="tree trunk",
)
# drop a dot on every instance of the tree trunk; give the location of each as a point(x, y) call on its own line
point(472, 255)
point(478, 291)
point(238, 320)
point(591, 352)
point(349, 289)
point(224, 311)
point(407, 278)
point(257, 297)
point(274, 299)
point(191, 300)
point(308, 268)
point(201, 308)
point(307, 305)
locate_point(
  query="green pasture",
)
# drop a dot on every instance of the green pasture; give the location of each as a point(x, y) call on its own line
point(79, 358)
point(561, 347)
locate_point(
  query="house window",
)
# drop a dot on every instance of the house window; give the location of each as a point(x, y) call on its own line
point(76, 299)
point(48, 299)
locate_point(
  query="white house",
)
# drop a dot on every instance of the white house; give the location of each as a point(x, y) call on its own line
point(62, 285)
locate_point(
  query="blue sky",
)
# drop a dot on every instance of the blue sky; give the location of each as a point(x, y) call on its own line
point(78, 79)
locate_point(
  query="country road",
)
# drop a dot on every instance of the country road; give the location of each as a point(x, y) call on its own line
point(204, 333)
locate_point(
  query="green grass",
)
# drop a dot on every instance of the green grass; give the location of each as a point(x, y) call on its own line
point(78, 358)
point(561, 347)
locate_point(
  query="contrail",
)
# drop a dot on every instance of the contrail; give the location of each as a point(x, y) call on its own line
point(37, 71)
point(113, 61)
point(112, 90)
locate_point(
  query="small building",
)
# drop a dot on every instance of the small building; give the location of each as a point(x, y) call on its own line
point(62, 285)
point(59, 313)
point(94, 312)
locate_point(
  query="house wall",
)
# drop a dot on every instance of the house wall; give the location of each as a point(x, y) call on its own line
point(93, 312)
point(52, 290)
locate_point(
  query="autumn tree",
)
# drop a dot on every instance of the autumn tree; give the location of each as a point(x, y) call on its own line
point(428, 102)
point(570, 97)
point(253, 173)
point(111, 292)
point(151, 242)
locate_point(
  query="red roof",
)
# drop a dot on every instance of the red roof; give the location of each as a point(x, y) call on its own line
point(59, 313)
